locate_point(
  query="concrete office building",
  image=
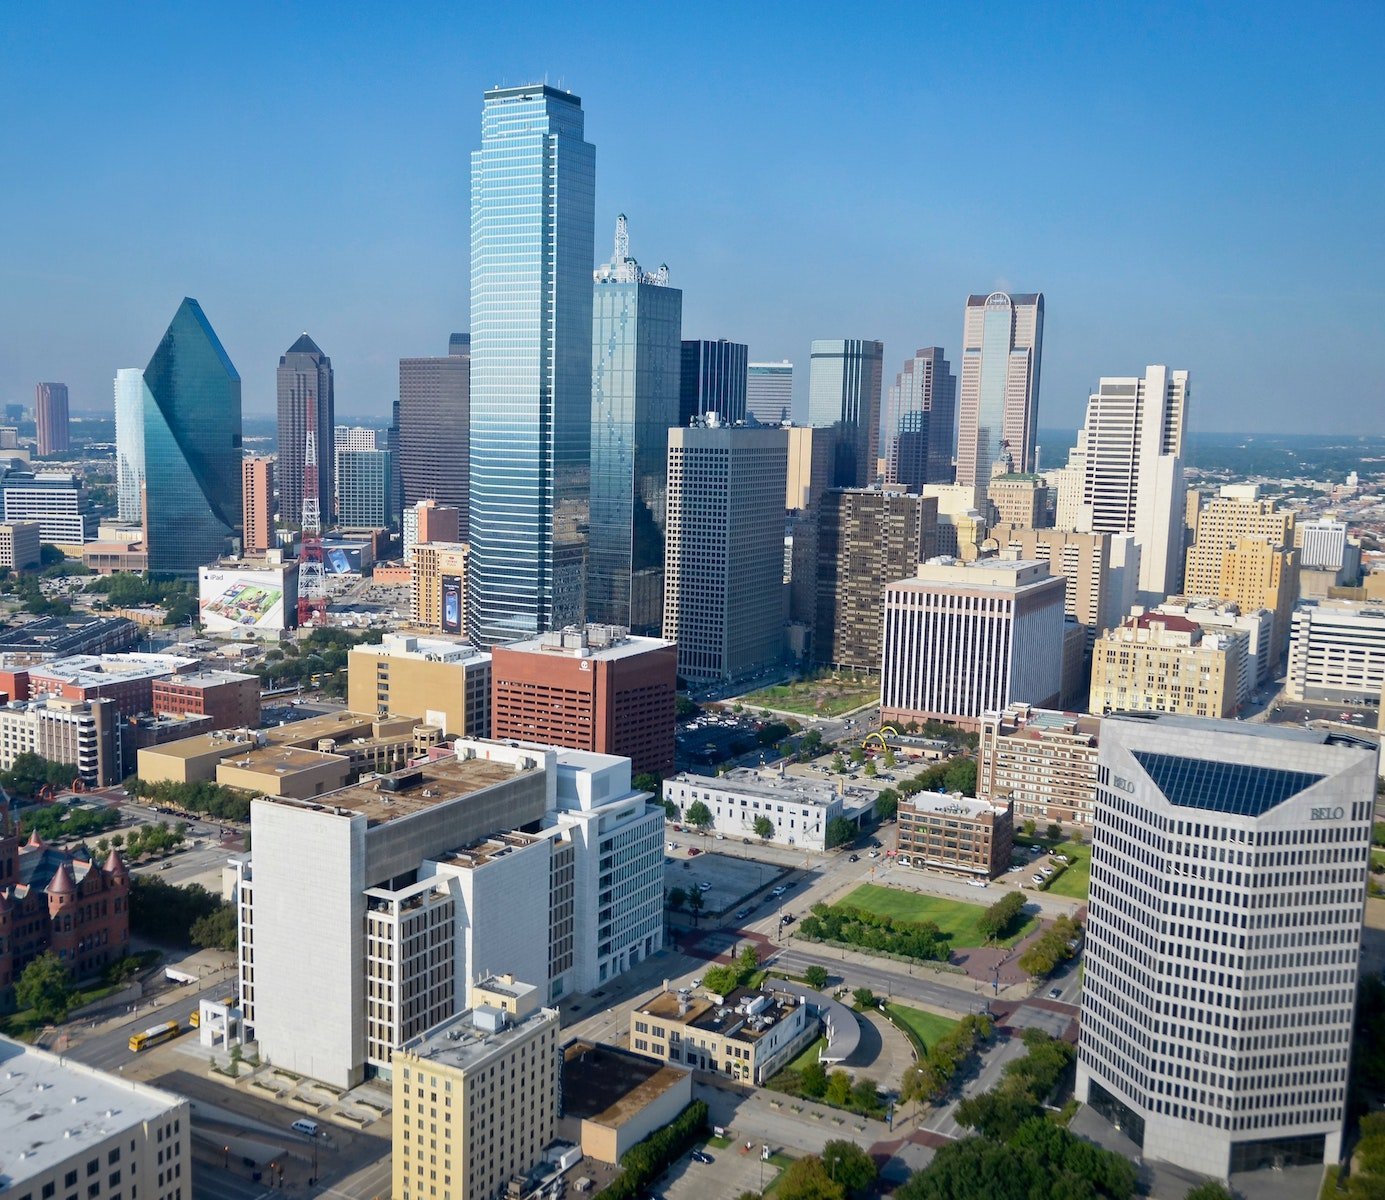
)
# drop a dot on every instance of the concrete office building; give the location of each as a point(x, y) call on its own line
point(1215, 615)
point(439, 586)
point(1243, 550)
point(998, 406)
point(713, 377)
point(82, 733)
point(1040, 763)
point(747, 1035)
point(592, 687)
point(482, 1136)
point(866, 538)
point(1125, 475)
point(769, 392)
point(844, 381)
point(130, 399)
point(942, 832)
point(1020, 500)
point(1100, 571)
point(532, 198)
point(1164, 663)
point(430, 521)
point(811, 465)
point(799, 809)
point(1228, 882)
point(434, 423)
point(637, 323)
point(443, 682)
point(1337, 652)
point(55, 499)
point(1328, 558)
point(962, 523)
point(305, 377)
point(50, 418)
point(257, 504)
point(415, 892)
point(70, 1130)
point(962, 639)
point(723, 572)
point(20, 544)
point(921, 421)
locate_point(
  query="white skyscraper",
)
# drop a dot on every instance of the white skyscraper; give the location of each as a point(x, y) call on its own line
point(769, 392)
point(1223, 939)
point(1002, 346)
point(129, 442)
point(1125, 475)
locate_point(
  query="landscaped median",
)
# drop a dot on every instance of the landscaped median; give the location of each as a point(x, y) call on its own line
point(817, 696)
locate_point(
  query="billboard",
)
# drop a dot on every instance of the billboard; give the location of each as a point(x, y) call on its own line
point(231, 600)
point(452, 604)
point(344, 558)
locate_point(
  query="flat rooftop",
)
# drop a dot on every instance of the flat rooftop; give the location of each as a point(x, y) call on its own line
point(91, 670)
point(1273, 733)
point(609, 1086)
point(337, 725)
point(984, 574)
point(750, 782)
point(53, 1109)
point(226, 742)
point(279, 760)
point(951, 805)
point(603, 642)
point(404, 793)
point(211, 678)
point(488, 850)
point(460, 1045)
point(423, 649)
point(732, 1018)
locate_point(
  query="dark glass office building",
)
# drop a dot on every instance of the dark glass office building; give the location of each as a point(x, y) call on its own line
point(192, 447)
point(844, 381)
point(637, 322)
point(434, 428)
point(305, 373)
point(714, 376)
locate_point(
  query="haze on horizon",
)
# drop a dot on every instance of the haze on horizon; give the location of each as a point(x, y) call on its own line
point(1191, 186)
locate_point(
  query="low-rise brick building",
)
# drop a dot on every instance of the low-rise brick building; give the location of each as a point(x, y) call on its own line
point(955, 833)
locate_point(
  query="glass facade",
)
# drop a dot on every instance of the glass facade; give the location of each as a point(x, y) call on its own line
point(999, 406)
point(192, 447)
point(532, 204)
point(365, 489)
point(130, 399)
point(714, 380)
point(769, 392)
point(920, 421)
point(844, 380)
point(636, 334)
point(304, 375)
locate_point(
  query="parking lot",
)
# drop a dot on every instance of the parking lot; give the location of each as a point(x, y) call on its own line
point(716, 736)
point(731, 880)
point(732, 1172)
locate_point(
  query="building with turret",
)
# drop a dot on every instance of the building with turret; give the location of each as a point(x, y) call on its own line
point(64, 902)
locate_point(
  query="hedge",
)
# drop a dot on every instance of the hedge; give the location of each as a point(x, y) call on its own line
point(645, 1162)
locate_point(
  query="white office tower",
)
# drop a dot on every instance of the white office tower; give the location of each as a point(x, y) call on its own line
point(1125, 475)
point(1223, 939)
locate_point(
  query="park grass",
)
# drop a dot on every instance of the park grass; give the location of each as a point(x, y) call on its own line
point(1074, 881)
point(956, 918)
point(807, 1056)
point(824, 697)
point(1378, 858)
point(927, 1027)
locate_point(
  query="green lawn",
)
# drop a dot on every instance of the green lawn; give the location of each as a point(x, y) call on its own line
point(824, 697)
point(954, 917)
point(926, 1026)
point(808, 1055)
point(1377, 858)
point(1073, 882)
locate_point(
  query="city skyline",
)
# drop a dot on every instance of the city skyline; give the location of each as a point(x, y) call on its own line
point(1182, 256)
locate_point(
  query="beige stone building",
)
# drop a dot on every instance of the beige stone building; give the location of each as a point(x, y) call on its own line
point(1040, 762)
point(476, 1097)
point(613, 1099)
point(1163, 663)
point(866, 538)
point(443, 682)
point(811, 456)
point(955, 833)
point(1243, 550)
point(19, 544)
point(1020, 500)
point(439, 585)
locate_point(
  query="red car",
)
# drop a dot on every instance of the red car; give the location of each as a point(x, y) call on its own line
point(693, 852)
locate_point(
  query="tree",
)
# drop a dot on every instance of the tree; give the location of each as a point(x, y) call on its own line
point(695, 903)
point(863, 997)
point(865, 1096)
point(813, 1080)
point(886, 804)
point(720, 980)
point(811, 743)
point(807, 1179)
point(858, 755)
point(764, 828)
point(890, 759)
point(961, 776)
point(676, 897)
point(848, 1165)
point(1055, 832)
point(747, 961)
point(815, 977)
point(998, 918)
point(46, 988)
point(838, 1088)
point(1211, 1190)
point(839, 832)
point(699, 816)
point(647, 781)
point(216, 931)
point(838, 762)
point(871, 771)
point(1029, 828)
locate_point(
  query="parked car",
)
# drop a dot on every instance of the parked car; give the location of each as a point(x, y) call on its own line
point(1054, 993)
point(976, 882)
point(776, 892)
point(786, 919)
point(1046, 872)
point(1038, 879)
point(704, 886)
point(742, 913)
point(701, 1156)
point(693, 851)
point(853, 858)
point(673, 845)
point(875, 854)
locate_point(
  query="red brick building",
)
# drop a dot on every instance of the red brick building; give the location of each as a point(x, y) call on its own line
point(230, 698)
point(51, 900)
point(594, 688)
point(128, 679)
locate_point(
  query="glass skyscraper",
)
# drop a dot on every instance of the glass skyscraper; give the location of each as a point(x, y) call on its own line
point(769, 392)
point(532, 210)
point(304, 375)
point(365, 489)
point(130, 400)
point(637, 322)
point(920, 421)
point(714, 378)
point(844, 379)
point(192, 447)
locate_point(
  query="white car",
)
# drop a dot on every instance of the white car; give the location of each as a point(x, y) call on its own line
point(976, 883)
point(704, 886)
point(1038, 879)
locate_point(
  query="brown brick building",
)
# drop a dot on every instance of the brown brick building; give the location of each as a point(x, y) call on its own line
point(955, 833)
point(230, 698)
point(50, 900)
point(593, 688)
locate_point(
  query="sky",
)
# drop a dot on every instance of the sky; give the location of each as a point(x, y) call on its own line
point(1191, 184)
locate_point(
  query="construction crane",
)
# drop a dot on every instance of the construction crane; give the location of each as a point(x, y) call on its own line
point(312, 579)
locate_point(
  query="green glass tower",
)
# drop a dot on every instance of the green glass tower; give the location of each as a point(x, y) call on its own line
point(192, 447)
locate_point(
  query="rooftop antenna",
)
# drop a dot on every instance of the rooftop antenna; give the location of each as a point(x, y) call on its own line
point(622, 239)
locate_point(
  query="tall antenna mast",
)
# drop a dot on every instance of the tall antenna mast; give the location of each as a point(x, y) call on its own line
point(312, 579)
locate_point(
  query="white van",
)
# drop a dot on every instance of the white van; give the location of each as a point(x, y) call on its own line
point(305, 1127)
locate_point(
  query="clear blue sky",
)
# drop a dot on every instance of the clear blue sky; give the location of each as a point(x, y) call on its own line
point(1192, 184)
